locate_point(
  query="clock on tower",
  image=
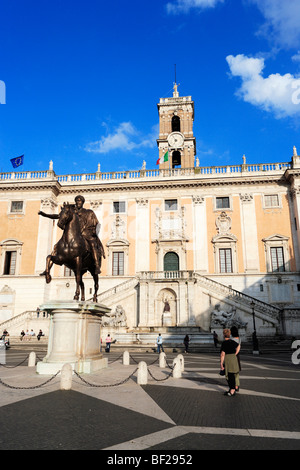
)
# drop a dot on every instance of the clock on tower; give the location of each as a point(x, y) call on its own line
point(176, 118)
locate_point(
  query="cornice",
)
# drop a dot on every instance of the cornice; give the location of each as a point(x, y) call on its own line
point(176, 184)
point(54, 186)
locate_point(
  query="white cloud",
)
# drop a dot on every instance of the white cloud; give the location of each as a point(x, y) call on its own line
point(296, 57)
point(125, 137)
point(282, 18)
point(184, 6)
point(276, 93)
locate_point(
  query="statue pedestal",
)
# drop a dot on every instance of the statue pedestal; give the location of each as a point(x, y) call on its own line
point(74, 337)
point(166, 319)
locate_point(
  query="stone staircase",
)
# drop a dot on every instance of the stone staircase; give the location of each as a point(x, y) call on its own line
point(26, 321)
point(262, 309)
point(173, 336)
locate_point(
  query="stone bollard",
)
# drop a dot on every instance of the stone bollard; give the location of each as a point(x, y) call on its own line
point(176, 368)
point(126, 358)
point(32, 359)
point(162, 360)
point(142, 377)
point(181, 359)
point(66, 377)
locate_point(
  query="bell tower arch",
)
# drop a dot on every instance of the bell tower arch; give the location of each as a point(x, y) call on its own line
point(176, 119)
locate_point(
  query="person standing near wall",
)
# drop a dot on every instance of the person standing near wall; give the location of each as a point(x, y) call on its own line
point(159, 342)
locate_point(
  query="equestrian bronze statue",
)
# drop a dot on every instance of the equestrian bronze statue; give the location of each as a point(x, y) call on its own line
point(79, 248)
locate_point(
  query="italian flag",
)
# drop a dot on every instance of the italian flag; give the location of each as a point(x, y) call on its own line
point(163, 159)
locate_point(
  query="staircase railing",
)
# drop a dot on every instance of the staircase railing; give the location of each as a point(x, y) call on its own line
point(239, 296)
point(117, 289)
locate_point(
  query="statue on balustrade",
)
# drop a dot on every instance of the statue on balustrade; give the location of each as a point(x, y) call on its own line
point(79, 248)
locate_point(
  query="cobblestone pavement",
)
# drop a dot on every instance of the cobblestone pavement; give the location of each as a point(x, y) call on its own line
point(172, 415)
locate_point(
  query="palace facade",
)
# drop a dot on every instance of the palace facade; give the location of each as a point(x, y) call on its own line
point(186, 246)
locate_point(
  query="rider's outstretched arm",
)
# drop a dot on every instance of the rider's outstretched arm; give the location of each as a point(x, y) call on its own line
point(50, 216)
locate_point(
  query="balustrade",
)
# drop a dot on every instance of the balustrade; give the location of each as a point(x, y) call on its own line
point(99, 177)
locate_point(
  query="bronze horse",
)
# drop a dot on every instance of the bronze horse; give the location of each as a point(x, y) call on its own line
point(73, 251)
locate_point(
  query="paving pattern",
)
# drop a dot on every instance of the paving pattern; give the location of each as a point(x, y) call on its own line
point(107, 411)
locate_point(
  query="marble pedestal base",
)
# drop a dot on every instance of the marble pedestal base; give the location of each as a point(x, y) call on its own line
point(74, 337)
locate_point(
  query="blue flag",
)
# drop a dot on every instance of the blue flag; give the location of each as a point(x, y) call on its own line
point(18, 161)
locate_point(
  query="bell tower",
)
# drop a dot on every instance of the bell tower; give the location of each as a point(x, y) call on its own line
point(176, 118)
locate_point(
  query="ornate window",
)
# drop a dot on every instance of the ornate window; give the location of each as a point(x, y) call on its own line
point(225, 259)
point(277, 258)
point(277, 253)
point(117, 254)
point(10, 256)
point(225, 253)
point(118, 263)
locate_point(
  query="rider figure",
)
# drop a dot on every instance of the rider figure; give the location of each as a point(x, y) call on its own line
point(88, 223)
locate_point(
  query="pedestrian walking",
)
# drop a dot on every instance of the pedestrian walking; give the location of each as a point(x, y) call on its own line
point(159, 342)
point(108, 343)
point(186, 342)
point(216, 339)
point(235, 337)
point(229, 362)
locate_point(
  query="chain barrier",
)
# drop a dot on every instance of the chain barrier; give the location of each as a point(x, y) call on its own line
point(170, 367)
point(13, 367)
point(29, 388)
point(105, 385)
point(159, 380)
point(156, 360)
point(85, 381)
point(115, 360)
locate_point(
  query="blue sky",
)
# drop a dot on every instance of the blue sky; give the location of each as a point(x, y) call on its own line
point(80, 80)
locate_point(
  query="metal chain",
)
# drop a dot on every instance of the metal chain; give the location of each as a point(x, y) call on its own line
point(170, 367)
point(12, 367)
point(159, 380)
point(111, 385)
point(156, 360)
point(85, 381)
point(115, 360)
point(30, 388)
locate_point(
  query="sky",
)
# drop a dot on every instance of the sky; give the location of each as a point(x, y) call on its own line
point(80, 80)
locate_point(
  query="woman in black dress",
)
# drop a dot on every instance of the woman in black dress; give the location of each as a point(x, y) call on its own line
point(229, 362)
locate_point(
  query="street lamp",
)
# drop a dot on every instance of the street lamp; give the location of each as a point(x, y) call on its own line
point(254, 337)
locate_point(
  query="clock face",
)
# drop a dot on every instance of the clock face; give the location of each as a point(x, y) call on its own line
point(175, 140)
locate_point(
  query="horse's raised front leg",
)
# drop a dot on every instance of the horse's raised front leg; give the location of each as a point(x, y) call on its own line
point(46, 273)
